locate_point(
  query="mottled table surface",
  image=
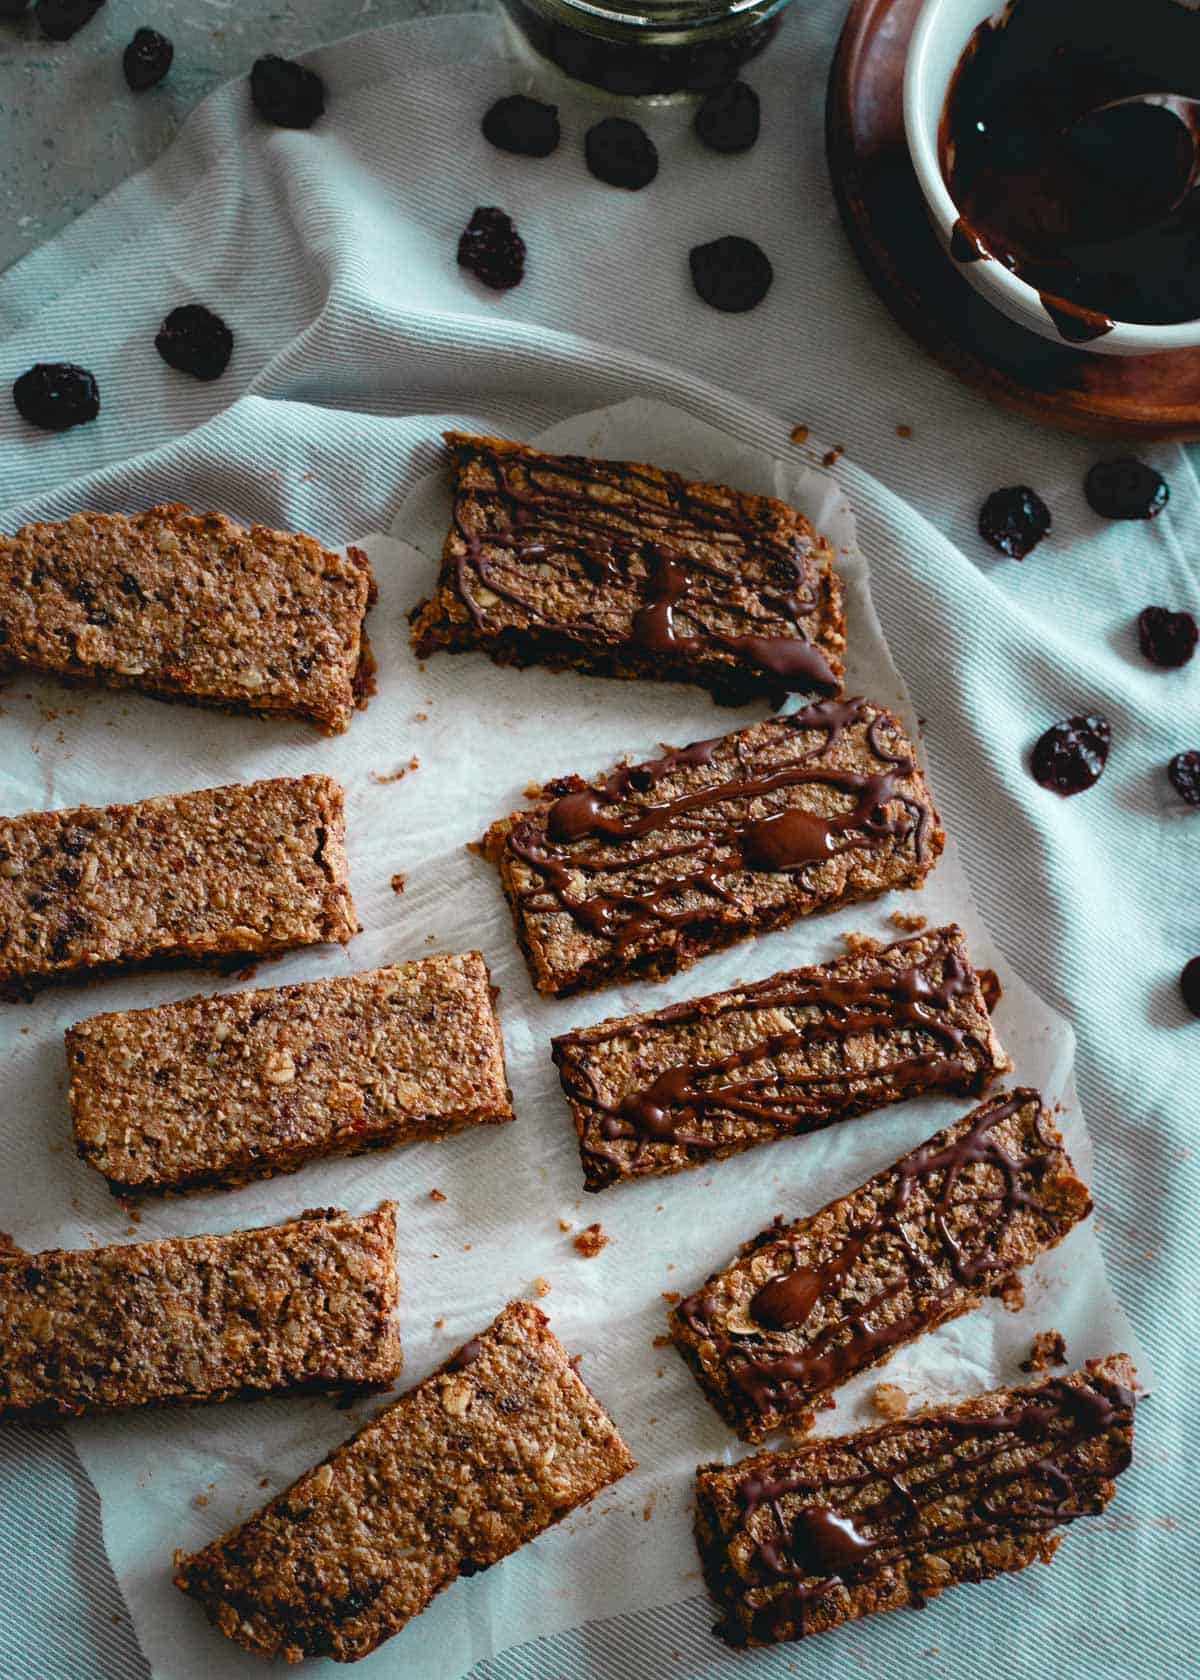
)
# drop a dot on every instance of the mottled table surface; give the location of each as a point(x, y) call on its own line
point(70, 129)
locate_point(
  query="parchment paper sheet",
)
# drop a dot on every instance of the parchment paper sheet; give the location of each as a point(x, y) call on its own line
point(475, 736)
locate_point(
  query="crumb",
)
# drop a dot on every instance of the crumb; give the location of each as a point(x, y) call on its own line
point(590, 1241)
point(658, 1209)
point(24, 1031)
point(541, 1287)
point(904, 431)
point(437, 1195)
point(648, 1509)
point(398, 881)
point(798, 434)
point(246, 973)
point(264, 1481)
point(832, 456)
point(421, 717)
point(414, 762)
point(564, 1224)
point(890, 1400)
point(200, 1500)
point(394, 776)
point(661, 1341)
point(907, 921)
point(467, 1248)
point(1049, 1348)
point(990, 985)
point(439, 1324)
point(671, 1295)
point(659, 1372)
point(1012, 1292)
point(132, 1211)
point(130, 1230)
point(860, 944)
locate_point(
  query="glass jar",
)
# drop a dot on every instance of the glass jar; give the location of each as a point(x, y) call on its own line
point(647, 47)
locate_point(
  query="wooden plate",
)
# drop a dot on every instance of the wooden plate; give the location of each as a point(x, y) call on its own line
point(884, 215)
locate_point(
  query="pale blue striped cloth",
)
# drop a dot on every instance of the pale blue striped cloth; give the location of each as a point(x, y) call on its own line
point(332, 255)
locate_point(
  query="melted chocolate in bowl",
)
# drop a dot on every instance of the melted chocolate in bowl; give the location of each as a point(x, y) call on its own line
point(1082, 210)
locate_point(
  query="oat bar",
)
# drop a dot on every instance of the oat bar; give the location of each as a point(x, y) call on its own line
point(220, 1090)
point(639, 873)
point(659, 1092)
point(307, 1305)
point(806, 1306)
point(257, 868)
point(619, 569)
point(190, 606)
point(797, 1542)
point(500, 1442)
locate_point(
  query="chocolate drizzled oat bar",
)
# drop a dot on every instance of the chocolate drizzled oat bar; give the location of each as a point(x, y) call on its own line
point(307, 1305)
point(499, 1443)
point(620, 569)
point(805, 1306)
point(796, 1542)
point(645, 870)
point(219, 1090)
point(191, 606)
point(659, 1092)
point(253, 868)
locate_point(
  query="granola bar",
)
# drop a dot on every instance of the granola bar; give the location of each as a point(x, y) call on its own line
point(696, 1081)
point(499, 1443)
point(307, 1305)
point(220, 1090)
point(796, 1542)
point(190, 606)
point(620, 569)
point(257, 867)
point(805, 1306)
point(641, 872)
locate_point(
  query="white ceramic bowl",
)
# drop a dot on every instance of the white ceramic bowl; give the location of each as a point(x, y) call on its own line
point(941, 34)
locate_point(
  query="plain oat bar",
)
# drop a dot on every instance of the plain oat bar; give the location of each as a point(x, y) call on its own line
point(698, 1080)
point(619, 569)
point(640, 872)
point(254, 868)
point(219, 1090)
point(805, 1306)
point(191, 606)
point(499, 1443)
point(797, 1542)
point(307, 1305)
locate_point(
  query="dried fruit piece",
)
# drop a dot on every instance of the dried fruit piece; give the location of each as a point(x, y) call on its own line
point(728, 119)
point(287, 94)
point(147, 59)
point(1183, 773)
point(731, 274)
point(1189, 985)
point(1014, 520)
point(59, 19)
point(492, 249)
point(57, 396)
point(522, 125)
point(1166, 638)
point(1071, 755)
point(620, 153)
point(195, 341)
point(1126, 489)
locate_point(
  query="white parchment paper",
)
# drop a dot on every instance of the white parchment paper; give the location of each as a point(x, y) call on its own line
point(469, 738)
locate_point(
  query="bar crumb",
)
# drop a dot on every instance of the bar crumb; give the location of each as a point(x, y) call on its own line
point(437, 1195)
point(908, 921)
point(398, 882)
point(1049, 1348)
point(1011, 1291)
point(890, 1400)
point(590, 1241)
point(993, 991)
point(798, 434)
point(541, 1287)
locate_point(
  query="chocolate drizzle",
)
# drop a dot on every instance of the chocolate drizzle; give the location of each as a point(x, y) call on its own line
point(938, 1255)
point(694, 1103)
point(717, 833)
point(682, 558)
point(925, 1485)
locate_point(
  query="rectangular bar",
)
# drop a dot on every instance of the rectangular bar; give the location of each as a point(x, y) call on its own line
point(499, 1443)
point(253, 868)
point(220, 1090)
point(696, 1081)
point(796, 1542)
point(804, 1307)
point(298, 1307)
point(641, 872)
point(620, 569)
point(190, 606)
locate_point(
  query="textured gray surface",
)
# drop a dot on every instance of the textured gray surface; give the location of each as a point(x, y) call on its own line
point(70, 127)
